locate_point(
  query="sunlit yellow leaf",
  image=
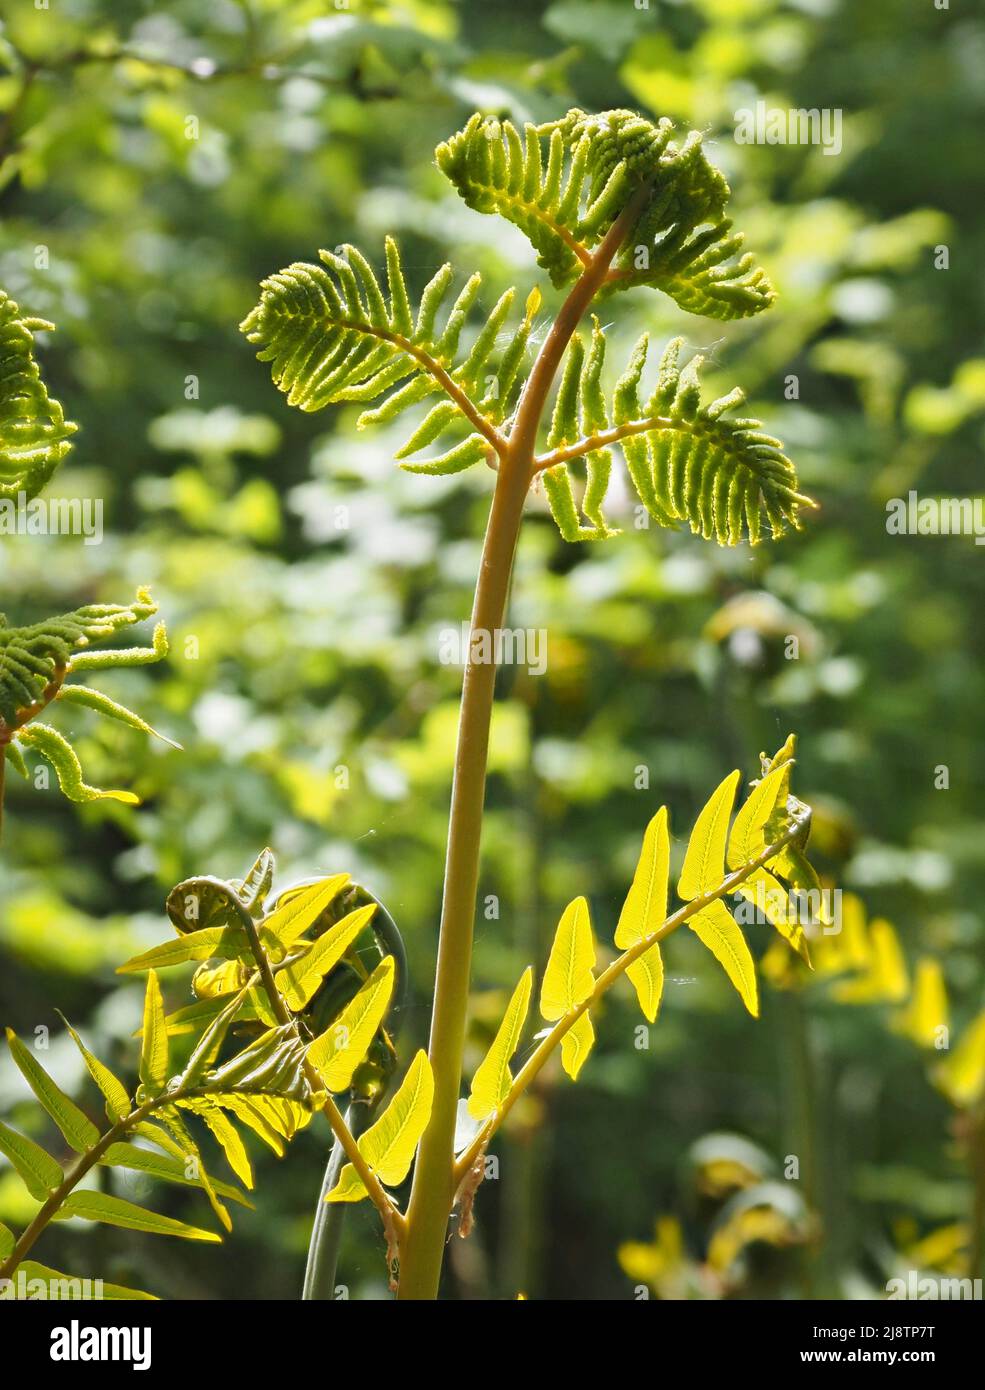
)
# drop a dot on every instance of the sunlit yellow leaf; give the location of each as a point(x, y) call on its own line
point(747, 839)
point(646, 974)
point(576, 1044)
point(771, 899)
point(338, 1051)
point(644, 912)
point(568, 978)
point(389, 1145)
point(704, 861)
point(885, 979)
point(154, 1045)
point(300, 910)
point(76, 1126)
point(714, 925)
point(962, 1076)
point(926, 1013)
point(299, 982)
point(492, 1081)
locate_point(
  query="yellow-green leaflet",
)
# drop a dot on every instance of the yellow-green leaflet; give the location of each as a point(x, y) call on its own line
point(389, 1145)
point(773, 901)
point(338, 1051)
point(32, 1270)
point(228, 1138)
point(576, 1044)
point(228, 942)
point(299, 982)
point(568, 980)
point(39, 1171)
point(154, 1046)
point(927, 1013)
point(77, 1128)
point(962, 1076)
point(646, 902)
point(167, 1169)
point(715, 926)
point(7, 1241)
point(492, 1081)
point(644, 911)
point(114, 1091)
point(747, 839)
point(704, 861)
point(646, 975)
point(115, 1211)
point(302, 910)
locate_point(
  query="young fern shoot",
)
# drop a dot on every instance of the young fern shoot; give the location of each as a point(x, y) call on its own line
point(608, 202)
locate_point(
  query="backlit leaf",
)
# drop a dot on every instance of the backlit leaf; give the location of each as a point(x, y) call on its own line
point(77, 1128)
point(154, 1040)
point(166, 1168)
point(771, 899)
point(492, 1081)
point(926, 1014)
point(39, 1171)
point(69, 1286)
point(568, 978)
point(715, 926)
point(338, 1051)
point(576, 1044)
point(389, 1145)
point(293, 917)
point(644, 912)
point(228, 942)
point(962, 1076)
point(114, 1091)
point(299, 982)
point(115, 1211)
point(747, 839)
point(704, 860)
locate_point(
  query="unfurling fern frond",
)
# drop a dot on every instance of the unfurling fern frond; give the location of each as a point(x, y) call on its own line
point(331, 336)
point(35, 663)
point(564, 184)
point(270, 1085)
point(688, 462)
point(34, 434)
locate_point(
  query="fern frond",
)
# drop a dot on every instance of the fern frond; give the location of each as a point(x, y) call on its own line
point(34, 658)
point(36, 661)
point(332, 335)
point(564, 184)
point(689, 462)
point(34, 434)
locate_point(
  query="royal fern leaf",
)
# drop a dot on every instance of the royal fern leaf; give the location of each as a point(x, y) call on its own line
point(332, 335)
point(688, 462)
point(36, 661)
point(34, 434)
point(563, 185)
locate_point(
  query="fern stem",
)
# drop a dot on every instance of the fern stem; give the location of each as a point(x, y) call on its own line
point(435, 1183)
point(433, 1189)
point(329, 1222)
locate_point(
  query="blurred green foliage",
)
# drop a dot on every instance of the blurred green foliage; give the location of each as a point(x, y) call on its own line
point(157, 162)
